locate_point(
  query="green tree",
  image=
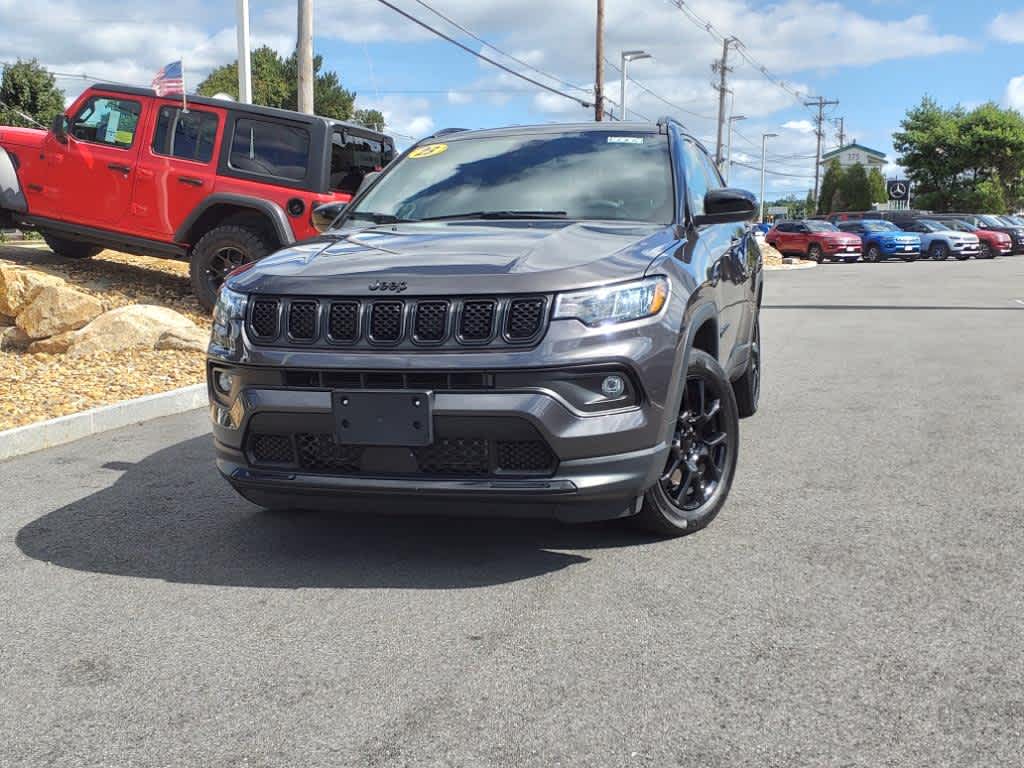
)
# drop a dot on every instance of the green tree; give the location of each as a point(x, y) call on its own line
point(855, 189)
point(809, 203)
point(879, 192)
point(27, 87)
point(829, 187)
point(275, 84)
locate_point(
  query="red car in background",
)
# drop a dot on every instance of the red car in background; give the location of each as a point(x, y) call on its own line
point(817, 240)
point(993, 243)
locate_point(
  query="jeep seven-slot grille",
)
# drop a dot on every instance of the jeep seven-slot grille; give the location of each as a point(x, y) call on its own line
point(439, 322)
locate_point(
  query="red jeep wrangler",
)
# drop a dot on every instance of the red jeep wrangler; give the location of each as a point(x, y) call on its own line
point(220, 184)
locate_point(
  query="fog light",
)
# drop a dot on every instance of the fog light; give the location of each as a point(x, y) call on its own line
point(613, 387)
point(225, 381)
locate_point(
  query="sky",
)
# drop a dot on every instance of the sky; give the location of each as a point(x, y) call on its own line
point(877, 58)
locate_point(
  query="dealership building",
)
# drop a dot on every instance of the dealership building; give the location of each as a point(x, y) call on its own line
point(854, 153)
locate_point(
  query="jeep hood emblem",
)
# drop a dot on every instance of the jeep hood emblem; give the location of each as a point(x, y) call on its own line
point(379, 285)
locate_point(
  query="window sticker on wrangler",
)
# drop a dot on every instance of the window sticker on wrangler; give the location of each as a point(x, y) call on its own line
point(103, 120)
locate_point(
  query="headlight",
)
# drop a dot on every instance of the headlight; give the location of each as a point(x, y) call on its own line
point(228, 315)
point(615, 303)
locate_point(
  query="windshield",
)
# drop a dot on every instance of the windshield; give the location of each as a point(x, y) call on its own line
point(992, 221)
point(931, 226)
point(580, 175)
point(1014, 221)
point(820, 226)
point(880, 226)
point(962, 226)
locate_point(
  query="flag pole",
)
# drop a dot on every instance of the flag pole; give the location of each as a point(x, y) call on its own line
point(184, 88)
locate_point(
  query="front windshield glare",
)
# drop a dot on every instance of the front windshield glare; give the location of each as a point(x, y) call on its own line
point(821, 226)
point(581, 175)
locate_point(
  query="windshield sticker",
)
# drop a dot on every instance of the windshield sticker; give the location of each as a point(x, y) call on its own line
point(430, 150)
point(625, 139)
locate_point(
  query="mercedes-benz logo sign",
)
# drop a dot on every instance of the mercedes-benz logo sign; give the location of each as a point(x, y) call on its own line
point(897, 190)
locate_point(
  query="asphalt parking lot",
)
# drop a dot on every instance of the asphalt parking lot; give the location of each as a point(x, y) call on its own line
point(860, 601)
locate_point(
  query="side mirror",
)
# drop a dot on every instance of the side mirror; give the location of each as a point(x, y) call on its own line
point(727, 206)
point(325, 214)
point(60, 128)
point(367, 180)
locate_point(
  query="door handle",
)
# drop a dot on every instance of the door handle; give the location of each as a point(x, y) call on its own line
point(192, 182)
point(119, 168)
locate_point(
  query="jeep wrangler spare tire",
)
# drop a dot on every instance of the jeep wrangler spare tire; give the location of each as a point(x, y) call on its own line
point(70, 249)
point(218, 252)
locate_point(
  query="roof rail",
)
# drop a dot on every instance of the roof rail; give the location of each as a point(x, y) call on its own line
point(447, 132)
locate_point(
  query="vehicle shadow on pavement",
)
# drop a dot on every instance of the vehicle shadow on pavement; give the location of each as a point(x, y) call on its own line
point(170, 516)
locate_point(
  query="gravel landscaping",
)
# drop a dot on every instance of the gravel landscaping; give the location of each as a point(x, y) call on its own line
point(36, 387)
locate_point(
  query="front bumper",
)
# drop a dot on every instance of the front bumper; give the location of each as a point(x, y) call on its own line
point(900, 250)
point(602, 460)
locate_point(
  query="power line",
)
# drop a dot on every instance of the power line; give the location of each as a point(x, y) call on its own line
point(492, 46)
point(773, 173)
point(658, 96)
point(488, 59)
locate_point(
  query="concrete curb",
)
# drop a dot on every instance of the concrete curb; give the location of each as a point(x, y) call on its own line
point(66, 429)
point(781, 267)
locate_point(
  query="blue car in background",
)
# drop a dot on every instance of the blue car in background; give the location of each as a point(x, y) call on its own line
point(883, 240)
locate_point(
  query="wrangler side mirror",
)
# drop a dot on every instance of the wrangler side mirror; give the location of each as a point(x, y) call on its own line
point(60, 128)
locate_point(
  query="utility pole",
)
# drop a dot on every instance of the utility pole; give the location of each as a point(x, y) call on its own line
point(728, 145)
point(244, 61)
point(820, 103)
point(304, 54)
point(599, 76)
point(723, 69)
point(842, 131)
point(764, 159)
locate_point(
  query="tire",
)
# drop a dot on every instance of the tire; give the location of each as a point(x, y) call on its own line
point(70, 249)
point(938, 252)
point(220, 251)
point(701, 464)
point(985, 252)
point(850, 261)
point(814, 253)
point(873, 254)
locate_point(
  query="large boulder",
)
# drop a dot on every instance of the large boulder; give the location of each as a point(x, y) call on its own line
point(56, 309)
point(19, 286)
point(13, 338)
point(54, 345)
point(194, 339)
point(138, 326)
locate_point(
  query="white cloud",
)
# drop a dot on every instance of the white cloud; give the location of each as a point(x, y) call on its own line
point(459, 98)
point(1015, 93)
point(800, 126)
point(1008, 27)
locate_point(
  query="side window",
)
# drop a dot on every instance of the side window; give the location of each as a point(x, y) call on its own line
point(352, 157)
point(785, 227)
point(105, 120)
point(714, 177)
point(696, 178)
point(270, 149)
point(188, 135)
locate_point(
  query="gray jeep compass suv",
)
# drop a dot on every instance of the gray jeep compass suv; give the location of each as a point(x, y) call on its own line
point(550, 320)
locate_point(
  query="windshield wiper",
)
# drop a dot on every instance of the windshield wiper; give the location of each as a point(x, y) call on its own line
point(499, 215)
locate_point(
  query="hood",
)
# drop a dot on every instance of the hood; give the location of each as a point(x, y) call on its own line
point(21, 137)
point(434, 258)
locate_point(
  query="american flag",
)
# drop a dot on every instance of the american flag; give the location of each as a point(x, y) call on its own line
point(170, 81)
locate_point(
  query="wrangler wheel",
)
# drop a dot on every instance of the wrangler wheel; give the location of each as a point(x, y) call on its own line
point(218, 253)
point(697, 476)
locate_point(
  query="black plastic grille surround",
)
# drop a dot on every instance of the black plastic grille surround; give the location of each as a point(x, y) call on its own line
point(431, 321)
point(343, 321)
point(302, 320)
point(407, 322)
point(386, 321)
point(264, 318)
point(272, 449)
point(525, 318)
point(477, 320)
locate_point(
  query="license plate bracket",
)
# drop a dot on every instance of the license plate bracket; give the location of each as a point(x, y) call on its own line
point(384, 417)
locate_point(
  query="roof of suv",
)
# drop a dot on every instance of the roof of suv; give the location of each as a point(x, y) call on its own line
point(235, 106)
point(516, 130)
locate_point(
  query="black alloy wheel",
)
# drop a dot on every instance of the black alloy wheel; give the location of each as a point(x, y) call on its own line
point(218, 252)
point(939, 251)
point(223, 262)
point(694, 484)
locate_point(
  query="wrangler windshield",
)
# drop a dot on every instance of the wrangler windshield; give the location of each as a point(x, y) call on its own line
point(580, 175)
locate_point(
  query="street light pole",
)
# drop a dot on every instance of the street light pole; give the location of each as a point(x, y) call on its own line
point(728, 144)
point(627, 56)
point(764, 157)
point(244, 62)
point(304, 55)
